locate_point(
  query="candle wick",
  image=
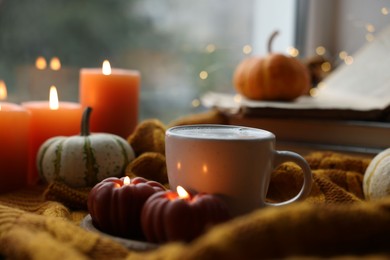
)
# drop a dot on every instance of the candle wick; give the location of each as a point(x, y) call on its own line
point(85, 121)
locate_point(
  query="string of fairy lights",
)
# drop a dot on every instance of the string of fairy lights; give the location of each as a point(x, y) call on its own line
point(326, 66)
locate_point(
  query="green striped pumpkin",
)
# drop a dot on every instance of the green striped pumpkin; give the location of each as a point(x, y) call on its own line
point(83, 160)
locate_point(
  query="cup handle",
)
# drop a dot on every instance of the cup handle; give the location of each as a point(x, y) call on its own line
point(286, 156)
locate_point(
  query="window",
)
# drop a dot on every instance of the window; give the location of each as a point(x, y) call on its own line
point(182, 48)
point(342, 26)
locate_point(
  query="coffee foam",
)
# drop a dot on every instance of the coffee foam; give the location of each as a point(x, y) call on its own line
point(220, 132)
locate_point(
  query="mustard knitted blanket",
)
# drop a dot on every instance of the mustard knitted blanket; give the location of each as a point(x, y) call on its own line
point(335, 221)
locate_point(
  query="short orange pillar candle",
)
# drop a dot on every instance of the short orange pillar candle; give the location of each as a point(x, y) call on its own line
point(49, 119)
point(113, 94)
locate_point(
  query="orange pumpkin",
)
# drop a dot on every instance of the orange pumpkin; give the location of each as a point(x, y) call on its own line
point(273, 77)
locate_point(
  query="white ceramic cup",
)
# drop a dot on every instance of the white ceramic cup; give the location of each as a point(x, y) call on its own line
point(233, 162)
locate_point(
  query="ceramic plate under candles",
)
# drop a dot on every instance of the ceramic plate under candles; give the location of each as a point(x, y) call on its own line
point(87, 224)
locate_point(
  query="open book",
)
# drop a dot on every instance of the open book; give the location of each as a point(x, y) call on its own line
point(360, 91)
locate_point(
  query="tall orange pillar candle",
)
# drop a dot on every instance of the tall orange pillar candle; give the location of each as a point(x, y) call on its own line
point(14, 121)
point(49, 119)
point(114, 96)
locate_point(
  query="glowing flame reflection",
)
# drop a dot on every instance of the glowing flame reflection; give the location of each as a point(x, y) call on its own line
point(40, 63)
point(55, 63)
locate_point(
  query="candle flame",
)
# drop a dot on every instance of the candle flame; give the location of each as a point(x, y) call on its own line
point(53, 98)
point(3, 90)
point(55, 63)
point(106, 68)
point(40, 63)
point(126, 180)
point(183, 194)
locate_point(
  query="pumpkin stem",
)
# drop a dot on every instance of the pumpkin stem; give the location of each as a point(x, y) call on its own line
point(85, 121)
point(271, 39)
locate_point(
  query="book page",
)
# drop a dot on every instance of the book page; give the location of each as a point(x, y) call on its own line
point(368, 75)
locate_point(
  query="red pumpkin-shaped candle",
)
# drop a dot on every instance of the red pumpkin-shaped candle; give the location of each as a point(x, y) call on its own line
point(115, 205)
point(170, 216)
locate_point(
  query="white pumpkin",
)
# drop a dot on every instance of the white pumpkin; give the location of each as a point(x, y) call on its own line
point(376, 182)
point(84, 160)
